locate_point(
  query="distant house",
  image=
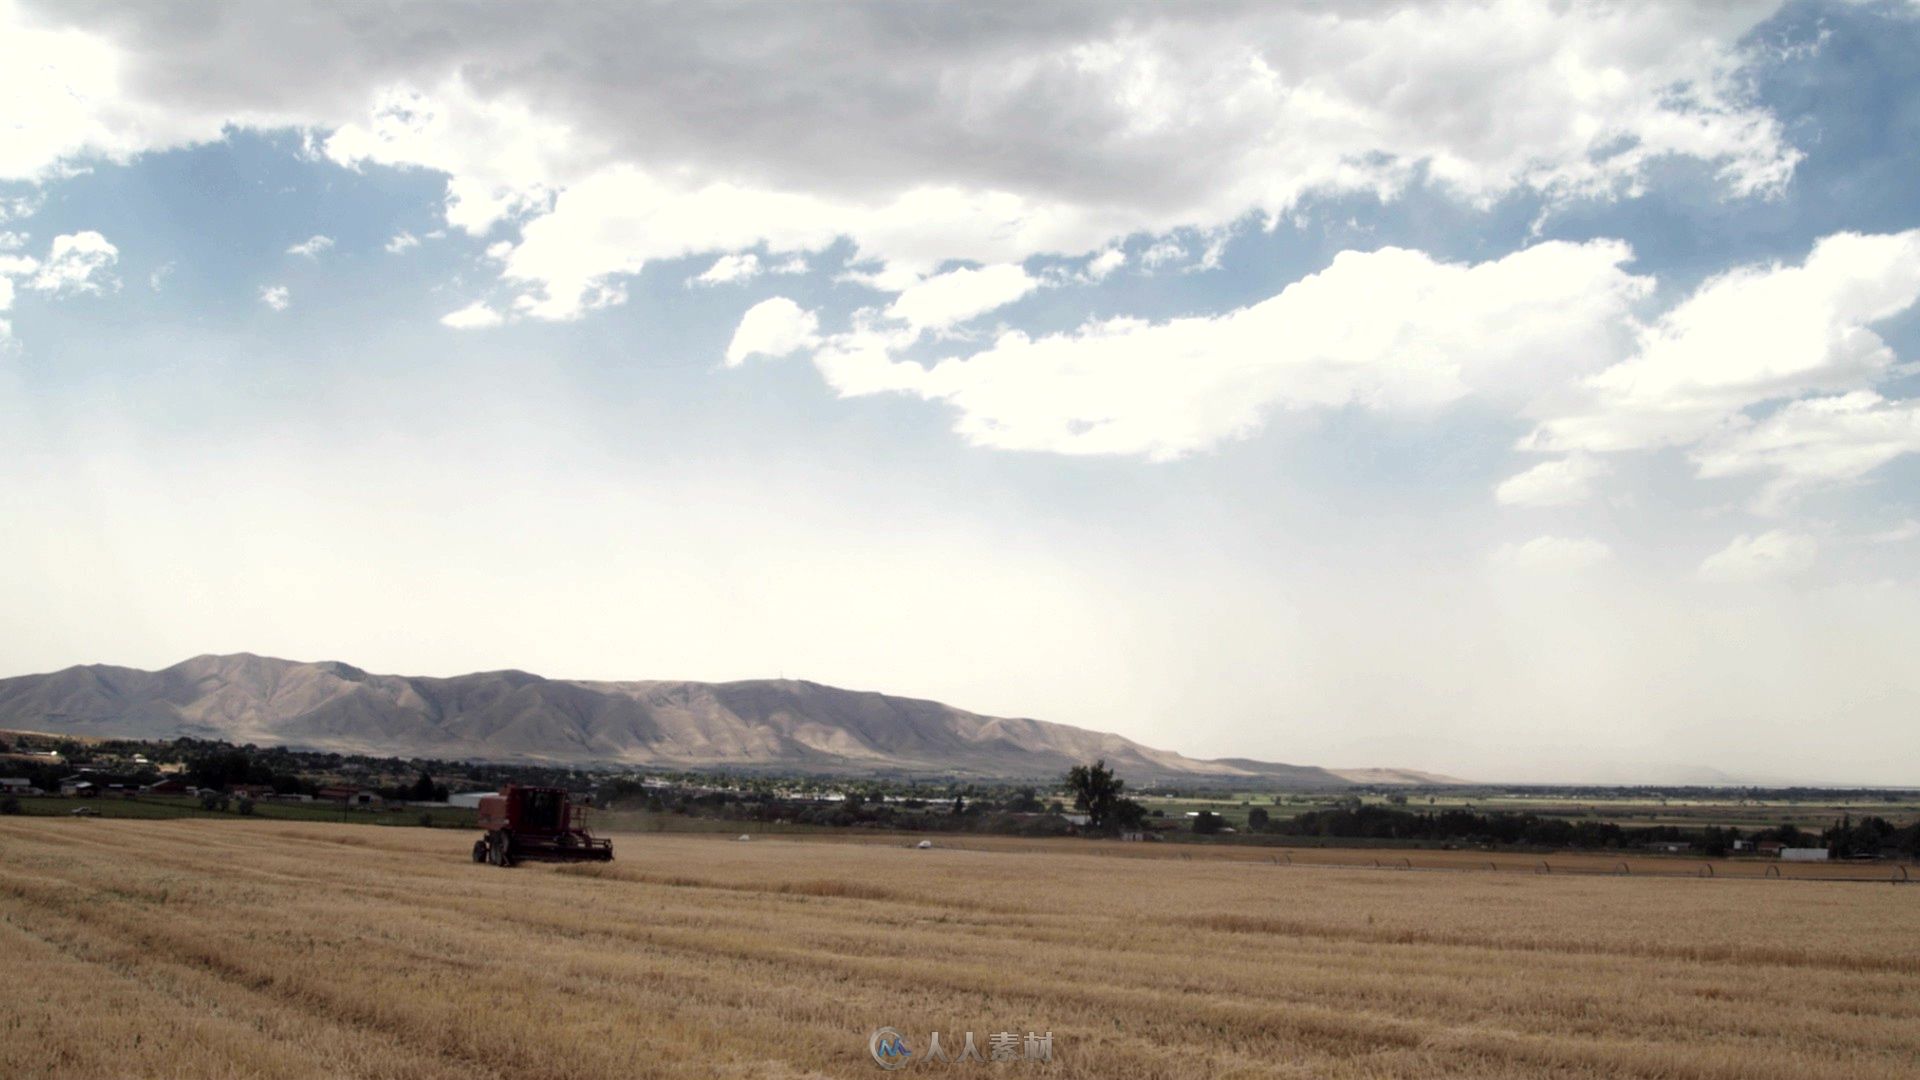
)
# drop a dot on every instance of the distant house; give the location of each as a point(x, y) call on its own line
point(468, 799)
point(172, 785)
point(76, 787)
point(1769, 848)
point(1803, 854)
point(1079, 820)
point(14, 785)
point(251, 791)
point(351, 796)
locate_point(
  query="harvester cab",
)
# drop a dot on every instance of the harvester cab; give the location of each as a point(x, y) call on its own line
point(540, 823)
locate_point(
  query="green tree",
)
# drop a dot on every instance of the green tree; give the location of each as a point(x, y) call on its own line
point(1099, 794)
point(1257, 819)
point(423, 789)
point(1207, 823)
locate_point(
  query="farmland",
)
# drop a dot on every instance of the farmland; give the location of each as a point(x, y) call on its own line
point(275, 948)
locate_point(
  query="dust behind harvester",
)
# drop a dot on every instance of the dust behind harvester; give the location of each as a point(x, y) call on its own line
point(536, 823)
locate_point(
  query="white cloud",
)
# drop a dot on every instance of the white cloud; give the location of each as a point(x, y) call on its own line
point(1388, 329)
point(275, 296)
point(728, 269)
point(401, 241)
point(796, 264)
point(1041, 132)
point(502, 159)
point(1815, 442)
point(1752, 335)
point(1774, 554)
point(959, 295)
point(1553, 554)
point(1106, 263)
point(774, 327)
point(474, 316)
point(159, 275)
point(311, 247)
point(68, 102)
point(79, 262)
point(1162, 253)
point(1561, 482)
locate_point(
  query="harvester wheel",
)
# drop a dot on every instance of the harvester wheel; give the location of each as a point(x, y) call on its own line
point(503, 848)
point(479, 851)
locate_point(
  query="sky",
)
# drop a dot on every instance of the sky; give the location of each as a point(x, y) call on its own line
point(1517, 391)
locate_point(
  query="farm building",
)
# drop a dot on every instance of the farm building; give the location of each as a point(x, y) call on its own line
point(1803, 854)
point(351, 796)
point(468, 799)
point(13, 785)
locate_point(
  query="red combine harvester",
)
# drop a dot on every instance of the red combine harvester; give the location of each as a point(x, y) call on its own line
point(536, 823)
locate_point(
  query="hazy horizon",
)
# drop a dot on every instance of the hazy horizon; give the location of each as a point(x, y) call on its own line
point(1512, 392)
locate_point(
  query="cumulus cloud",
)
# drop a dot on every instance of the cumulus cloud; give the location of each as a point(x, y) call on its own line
point(775, 328)
point(1799, 339)
point(1106, 263)
point(1774, 554)
point(1815, 442)
point(401, 241)
point(959, 295)
point(1751, 335)
point(1553, 555)
point(1038, 131)
point(79, 262)
point(275, 296)
point(475, 316)
point(728, 269)
point(1561, 482)
point(311, 247)
point(75, 263)
point(1388, 329)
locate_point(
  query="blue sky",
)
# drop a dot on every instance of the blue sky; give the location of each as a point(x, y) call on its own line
point(1506, 390)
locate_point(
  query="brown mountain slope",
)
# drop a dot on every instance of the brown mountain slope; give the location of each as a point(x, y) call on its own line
point(515, 716)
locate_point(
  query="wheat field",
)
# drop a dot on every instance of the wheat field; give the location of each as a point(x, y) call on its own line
point(266, 949)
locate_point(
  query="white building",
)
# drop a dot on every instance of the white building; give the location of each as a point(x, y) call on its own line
point(1803, 854)
point(468, 799)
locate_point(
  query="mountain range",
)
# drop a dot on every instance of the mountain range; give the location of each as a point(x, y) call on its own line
point(513, 716)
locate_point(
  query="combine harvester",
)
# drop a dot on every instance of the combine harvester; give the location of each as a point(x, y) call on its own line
point(538, 823)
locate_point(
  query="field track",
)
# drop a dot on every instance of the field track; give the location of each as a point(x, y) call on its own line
point(134, 948)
